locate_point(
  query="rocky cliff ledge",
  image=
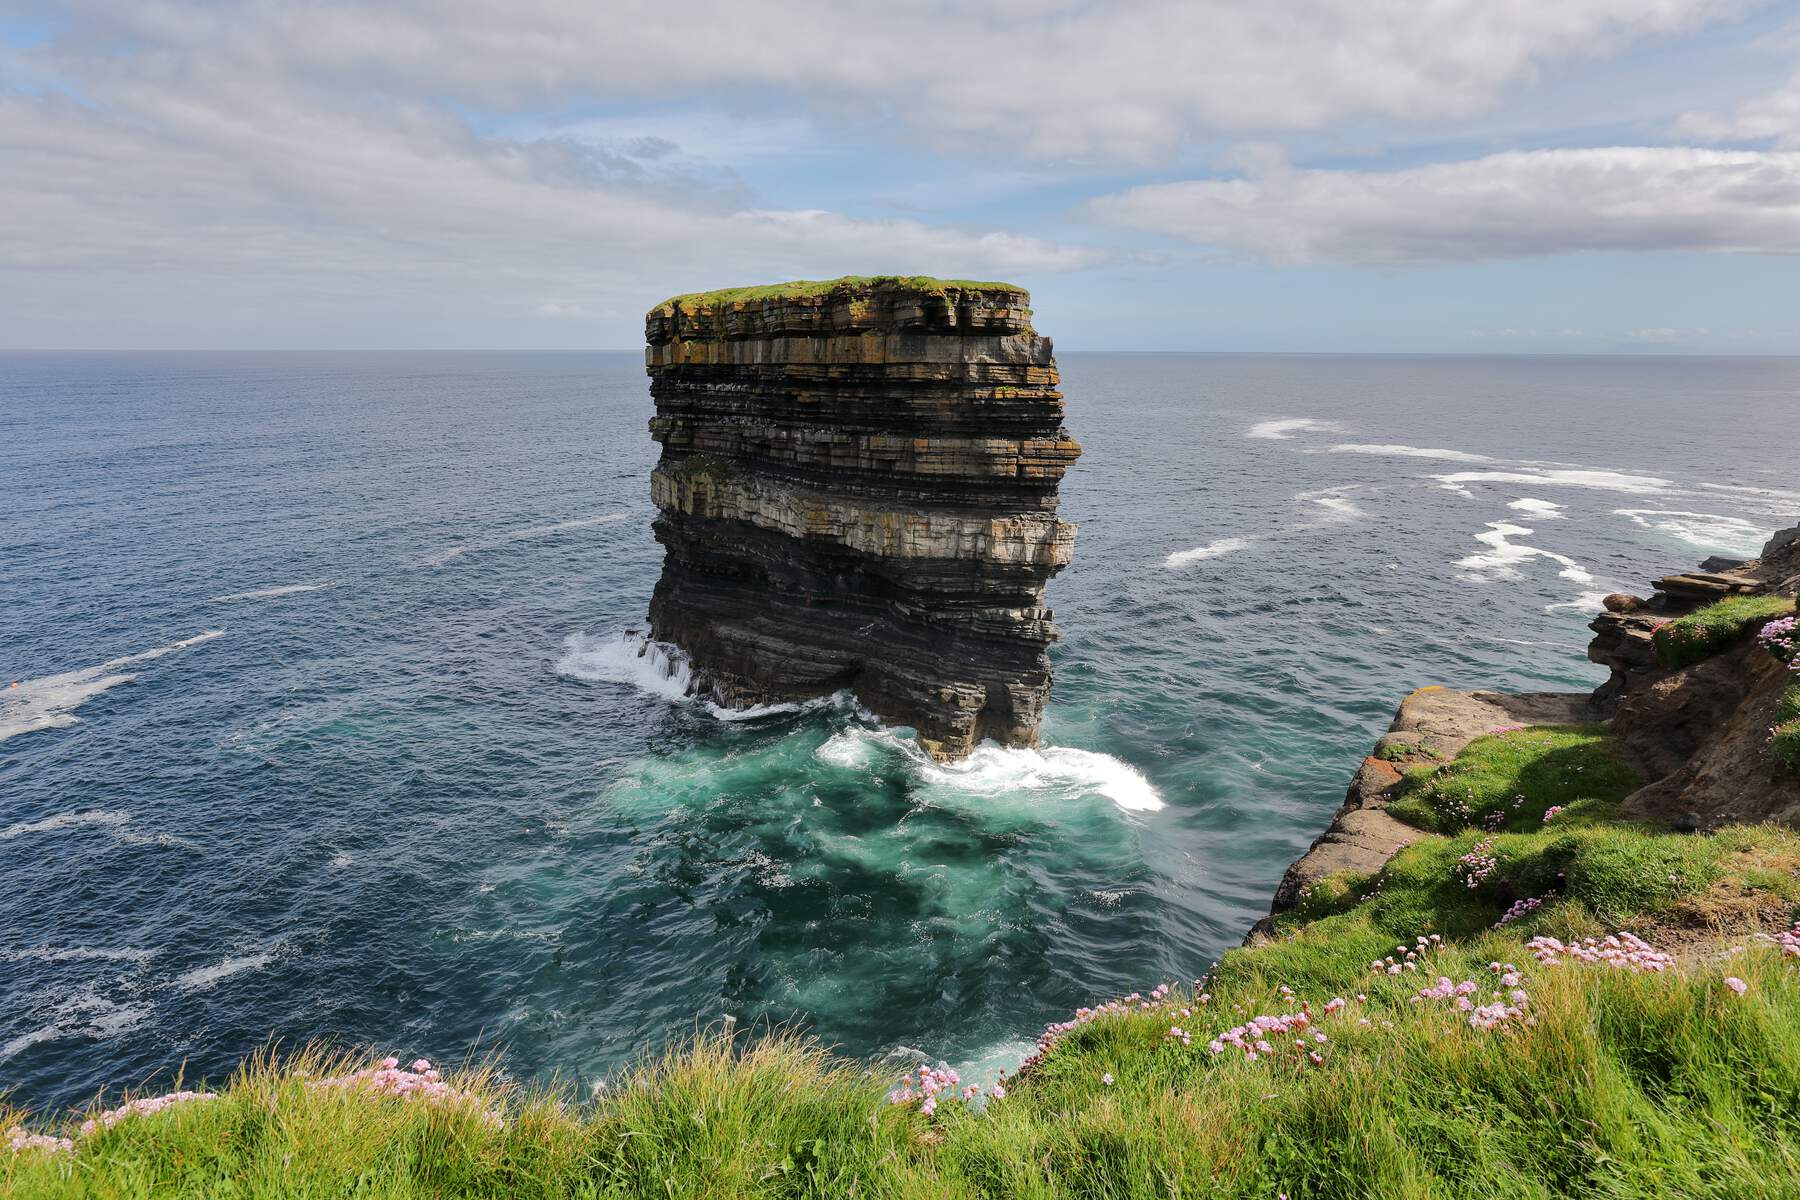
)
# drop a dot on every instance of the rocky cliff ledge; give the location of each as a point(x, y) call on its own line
point(858, 490)
point(1698, 733)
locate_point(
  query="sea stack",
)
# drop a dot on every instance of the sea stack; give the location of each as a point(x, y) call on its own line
point(858, 491)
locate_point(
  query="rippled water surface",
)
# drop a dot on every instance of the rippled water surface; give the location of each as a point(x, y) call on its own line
point(324, 728)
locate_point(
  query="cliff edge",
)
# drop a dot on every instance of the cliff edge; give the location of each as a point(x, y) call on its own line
point(1695, 703)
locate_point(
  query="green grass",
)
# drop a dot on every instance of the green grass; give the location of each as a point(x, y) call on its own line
point(1620, 1085)
point(1515, 777)
point(806, 288)
point(1785, 745)
point(1704, 632)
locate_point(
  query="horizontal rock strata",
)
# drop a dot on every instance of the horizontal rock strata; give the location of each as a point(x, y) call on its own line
point(858, 490)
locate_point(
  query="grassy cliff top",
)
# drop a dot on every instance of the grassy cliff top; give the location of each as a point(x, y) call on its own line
point(1413, 1034)
point(800, 289)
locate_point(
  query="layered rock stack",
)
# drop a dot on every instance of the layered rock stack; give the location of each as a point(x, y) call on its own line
point(858, 490)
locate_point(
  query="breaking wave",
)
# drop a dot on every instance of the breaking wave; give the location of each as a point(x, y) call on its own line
point(661, 669)
point(50, 702)
point(655, 668)
point(1542, 510)
point(993, 771)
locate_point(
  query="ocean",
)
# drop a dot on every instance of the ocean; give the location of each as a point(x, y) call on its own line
point(325, 728)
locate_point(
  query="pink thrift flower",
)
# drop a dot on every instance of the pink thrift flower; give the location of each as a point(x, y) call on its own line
point(1737, 985)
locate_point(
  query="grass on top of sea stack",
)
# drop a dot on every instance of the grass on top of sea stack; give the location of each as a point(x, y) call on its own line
point(799, 289)
point(1472, 1021)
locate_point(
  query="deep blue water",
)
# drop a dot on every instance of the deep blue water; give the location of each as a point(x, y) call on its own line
point(402, 808)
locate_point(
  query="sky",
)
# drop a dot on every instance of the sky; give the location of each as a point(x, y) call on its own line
point(1413, 176)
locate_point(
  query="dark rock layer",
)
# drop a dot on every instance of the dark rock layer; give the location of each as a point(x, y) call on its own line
point(858, 490)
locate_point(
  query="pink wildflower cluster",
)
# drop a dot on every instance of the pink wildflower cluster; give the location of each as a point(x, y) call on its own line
point(1474, 867)
point(1625, 951)
point(1551, 812)
point(1253, 1036)
point(1737, 985)
point(1505, 728)
point(931, 1083)
point(1519, 908)
point(1499, 1010)
point(1782, 639)
point(17, 1141)
point(419, 1081)
point(141, 1108)
point(1788, 941)
point(1410, 962)
point(1135, 1002)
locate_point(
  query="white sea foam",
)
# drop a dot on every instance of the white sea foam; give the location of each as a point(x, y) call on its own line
point(657, 668)
point(1540, 510)
point(49, 703)
point(847, 748)
point(1503, 556)
point(84, 1014)
point(1609, 481)
point(661, 669)
point(1182, 558)
point(1060, 771)
point(991, 770)
point(1287, 427)
point(1710, 531)
point(202, 978)
point(1339, 508)
point(1787, 497)
point(519, 535)
point(292, 589)
point(1391, 450)
point(62, 954)
point(66, 820)
point(1587, 602)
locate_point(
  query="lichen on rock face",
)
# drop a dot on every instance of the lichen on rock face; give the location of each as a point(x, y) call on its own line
point(858, 490)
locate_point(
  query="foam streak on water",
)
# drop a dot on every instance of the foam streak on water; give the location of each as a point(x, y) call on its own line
point(50, 703)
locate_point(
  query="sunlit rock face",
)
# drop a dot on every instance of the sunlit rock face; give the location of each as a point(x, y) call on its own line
point(858, 490)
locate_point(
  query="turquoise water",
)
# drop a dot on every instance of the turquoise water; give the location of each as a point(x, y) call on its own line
point(412, 796)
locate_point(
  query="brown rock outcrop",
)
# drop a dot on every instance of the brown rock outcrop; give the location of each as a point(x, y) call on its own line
point(1433, 725)
point(858, 490)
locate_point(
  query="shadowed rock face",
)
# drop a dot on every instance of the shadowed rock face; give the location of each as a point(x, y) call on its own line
point(858, 490)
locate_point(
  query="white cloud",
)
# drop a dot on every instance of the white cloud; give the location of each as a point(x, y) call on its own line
point(1772, 118)
point(1512, 205)
point(1056, 79)
point(187, 187)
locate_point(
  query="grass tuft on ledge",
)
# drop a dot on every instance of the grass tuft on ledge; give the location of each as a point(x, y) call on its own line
point(1706, 631)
